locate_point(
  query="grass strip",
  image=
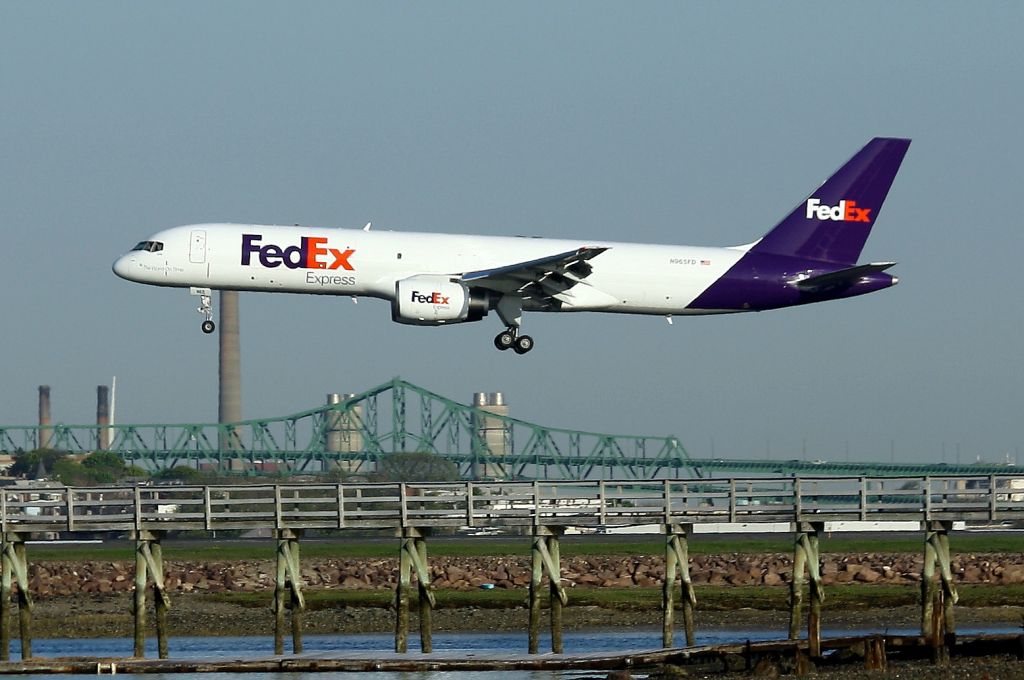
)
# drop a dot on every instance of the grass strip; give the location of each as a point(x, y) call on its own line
point(211, 550)
point(709, 598)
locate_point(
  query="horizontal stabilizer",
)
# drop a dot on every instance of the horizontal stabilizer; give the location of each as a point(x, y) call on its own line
point(842, 277)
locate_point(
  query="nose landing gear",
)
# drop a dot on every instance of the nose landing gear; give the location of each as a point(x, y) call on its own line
point(510, 339)
point(205, 307)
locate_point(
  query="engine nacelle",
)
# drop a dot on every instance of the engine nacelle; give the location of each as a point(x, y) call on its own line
point(436, 300)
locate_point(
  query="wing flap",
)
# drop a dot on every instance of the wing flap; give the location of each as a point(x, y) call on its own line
point(572, 261)
point(539, 280)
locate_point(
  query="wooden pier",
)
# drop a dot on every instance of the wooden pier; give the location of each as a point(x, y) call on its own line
point(809, 505)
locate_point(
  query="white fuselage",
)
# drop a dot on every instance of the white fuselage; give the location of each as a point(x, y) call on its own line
point(626, 278)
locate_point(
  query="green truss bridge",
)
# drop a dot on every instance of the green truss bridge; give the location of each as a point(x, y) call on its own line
point(353, 435)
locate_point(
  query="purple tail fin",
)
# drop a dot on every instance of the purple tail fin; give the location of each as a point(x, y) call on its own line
point(833, 223)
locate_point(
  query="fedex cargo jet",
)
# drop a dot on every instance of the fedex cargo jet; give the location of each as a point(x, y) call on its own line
point(439, 279)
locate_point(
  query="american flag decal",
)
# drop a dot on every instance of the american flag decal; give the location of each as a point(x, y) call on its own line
point(705, 262)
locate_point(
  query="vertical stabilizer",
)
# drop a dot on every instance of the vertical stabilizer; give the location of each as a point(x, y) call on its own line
point(834, 222)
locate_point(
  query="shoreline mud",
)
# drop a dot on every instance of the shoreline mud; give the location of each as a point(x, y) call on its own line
point(83, 616)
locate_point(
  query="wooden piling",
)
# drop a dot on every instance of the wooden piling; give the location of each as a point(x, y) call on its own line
point(402, 600)
point(296, 604)
point(677, 558)
point(139, 601)
point(536, 573)
point(950, 595)
point(288, 590)
point(936, 553)
point(668, 593)
point(413, 556)
point(149, 567)
point(555, 593)
point(817, 592)
point(545, 558)
point(425, 599)
point(14, 569)
point(796, 589)
point(806, 556)
point(874, 653)
point(5, 604)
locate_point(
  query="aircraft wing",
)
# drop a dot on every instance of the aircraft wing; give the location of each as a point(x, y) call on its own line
point(541, 279)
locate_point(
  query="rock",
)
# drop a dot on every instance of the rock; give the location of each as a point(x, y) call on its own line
point(1013, 573)
point(766, 668)
point(867, 575)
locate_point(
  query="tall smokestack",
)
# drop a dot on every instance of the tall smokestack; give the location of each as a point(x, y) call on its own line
point(102, 417)
point(230, 405)
point(45, 431)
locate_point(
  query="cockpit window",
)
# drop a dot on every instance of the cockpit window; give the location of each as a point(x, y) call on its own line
point(149, 246)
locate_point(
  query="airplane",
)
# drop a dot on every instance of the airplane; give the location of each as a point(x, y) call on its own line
point(434, 279)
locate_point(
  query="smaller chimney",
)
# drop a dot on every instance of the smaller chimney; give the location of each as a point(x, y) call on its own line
point(45, 431)
point(102, 417)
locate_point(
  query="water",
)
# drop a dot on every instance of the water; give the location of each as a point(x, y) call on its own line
point(608, 640)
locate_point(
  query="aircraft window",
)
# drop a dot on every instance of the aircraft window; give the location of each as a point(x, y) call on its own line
point(149, 246)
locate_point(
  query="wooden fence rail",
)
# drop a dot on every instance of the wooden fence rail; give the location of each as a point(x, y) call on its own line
point(496, 504)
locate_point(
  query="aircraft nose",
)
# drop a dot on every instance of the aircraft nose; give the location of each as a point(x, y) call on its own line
point(124, 265)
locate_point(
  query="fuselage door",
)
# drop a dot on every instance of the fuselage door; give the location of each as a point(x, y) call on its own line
point(197, 247)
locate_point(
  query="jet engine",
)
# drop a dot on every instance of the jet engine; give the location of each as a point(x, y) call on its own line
point(435, 300)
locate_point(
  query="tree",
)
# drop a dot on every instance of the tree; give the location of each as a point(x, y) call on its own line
point(416, 466)
point(27, 463)
point(101, 467)
point(179, 473)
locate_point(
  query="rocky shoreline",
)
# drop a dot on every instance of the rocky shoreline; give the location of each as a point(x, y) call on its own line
point(60, 578)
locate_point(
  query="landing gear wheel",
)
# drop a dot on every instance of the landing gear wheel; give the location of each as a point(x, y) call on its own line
point(205, 308)
point(504, 340)
point(524, 343)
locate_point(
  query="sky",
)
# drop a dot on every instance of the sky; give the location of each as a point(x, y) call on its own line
point(657, 122)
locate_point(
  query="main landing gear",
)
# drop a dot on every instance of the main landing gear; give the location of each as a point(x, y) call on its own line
point(205, 307)
point(510, 339)
point(510, 309)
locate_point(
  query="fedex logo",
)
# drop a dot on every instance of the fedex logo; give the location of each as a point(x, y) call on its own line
point(433, 298)
point(846, 211)
point(311, 253)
